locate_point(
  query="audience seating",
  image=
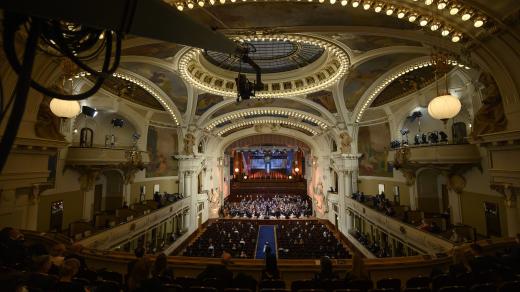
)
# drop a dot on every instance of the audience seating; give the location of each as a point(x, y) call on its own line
point(392, 284)
point(487, 287)
point(418, 282)
point(453, 289)
point(362, 285)
point(269, 284)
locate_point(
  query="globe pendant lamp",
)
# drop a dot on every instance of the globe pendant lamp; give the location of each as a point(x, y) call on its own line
point(446, 106)
point(65, 108)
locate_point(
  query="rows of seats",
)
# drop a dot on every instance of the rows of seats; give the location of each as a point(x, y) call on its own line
point(307, 239)
point(234, 236)
point(248, 284)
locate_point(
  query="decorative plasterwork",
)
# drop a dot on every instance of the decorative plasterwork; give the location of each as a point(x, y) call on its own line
point(233, 116)
point(324, 72)
point(268, 121)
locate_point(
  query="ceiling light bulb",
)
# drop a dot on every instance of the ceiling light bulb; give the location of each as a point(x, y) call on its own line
point(201, 3)
point(412, 17)
point(332, 1)
point(366, 5)
point(212, 2)
point(321, 1)
point(355, 3)
point(401, 14)
point(479, 22)
point(190, 5)
point(344, 2)
point(435, 26)
point(222, 1)
point(423, 22)
point(390, 10)
point(428, 2)
point(442, 4)
point(466, 15)
point(378, 8)
point(180, 6)
point(456, 37)
point(445, 32)
point(454, 9)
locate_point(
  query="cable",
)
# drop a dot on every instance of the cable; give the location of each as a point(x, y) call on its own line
point(22, 85)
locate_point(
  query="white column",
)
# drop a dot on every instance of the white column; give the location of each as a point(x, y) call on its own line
point(188, 178)
point(513, 221)
point(454, 200)
point(347, 191)
point(413, 197)
point(88, 205)
point(31, 222)
point(355, 175)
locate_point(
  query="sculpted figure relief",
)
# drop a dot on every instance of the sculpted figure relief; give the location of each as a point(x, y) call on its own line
point(189, 143)
point(490, 117)
point(346, 140)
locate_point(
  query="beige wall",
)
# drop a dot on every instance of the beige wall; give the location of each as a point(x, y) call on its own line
point(369, 186)
point(72, 208)
point(473, 211)
point(169, 185)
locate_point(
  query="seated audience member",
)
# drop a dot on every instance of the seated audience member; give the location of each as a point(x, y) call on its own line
point(137, 280)
point(219, 272)
point(424, 226)
point(57, 254)
point(481, 263)
point(139, 253)
point(326, 273)
point(13, 252)
point(270, 271)
point(40, 278)
point(160, 269)
point(68, 270)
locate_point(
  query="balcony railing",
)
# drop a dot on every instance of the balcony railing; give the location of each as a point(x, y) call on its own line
point(436, 154)
point(105, 156)
point(405, 232)
point(107, 238)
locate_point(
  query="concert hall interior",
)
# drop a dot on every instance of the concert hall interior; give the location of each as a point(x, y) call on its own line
point(260, 146)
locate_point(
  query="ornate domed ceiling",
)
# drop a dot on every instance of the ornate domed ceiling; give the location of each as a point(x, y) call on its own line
point(270, 56)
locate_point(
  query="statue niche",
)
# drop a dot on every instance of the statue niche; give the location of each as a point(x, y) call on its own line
point(490, 117)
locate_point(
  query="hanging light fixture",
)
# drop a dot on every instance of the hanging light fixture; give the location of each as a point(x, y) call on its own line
point(65, 108)
point(445, 106)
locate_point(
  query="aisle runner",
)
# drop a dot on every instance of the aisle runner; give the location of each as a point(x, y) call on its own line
point(265, 233)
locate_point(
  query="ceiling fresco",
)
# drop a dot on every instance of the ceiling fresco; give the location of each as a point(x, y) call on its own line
point(205, 101)
point(161, 50)
point(276, 15)
point(325, 99)
point(168, 81)
point(363, 76)
point(272, 102)
point(407, 84)
point(364, 43)
point(129, 91)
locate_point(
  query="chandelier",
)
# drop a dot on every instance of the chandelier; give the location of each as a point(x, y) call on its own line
point(444, 106)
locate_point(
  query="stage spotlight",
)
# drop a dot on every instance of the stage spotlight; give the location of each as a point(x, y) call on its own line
point(290, 177)
point(88, 111)
point(118, 123)
point(245, 176)
point(296, 169)
point(236, 170)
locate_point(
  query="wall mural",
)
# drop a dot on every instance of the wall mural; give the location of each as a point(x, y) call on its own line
point(206, 101)
point(373, 144)
point(325, 99)
point(157, 50)
point(168, 81)
point(161, 145)
point(364, 75)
